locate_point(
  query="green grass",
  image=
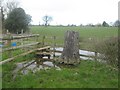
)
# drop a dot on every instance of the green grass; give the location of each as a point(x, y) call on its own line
point(85, 75)
point(95, 33)
point(86, 32)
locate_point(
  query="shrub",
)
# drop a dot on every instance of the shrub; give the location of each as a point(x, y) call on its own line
point(109, 50)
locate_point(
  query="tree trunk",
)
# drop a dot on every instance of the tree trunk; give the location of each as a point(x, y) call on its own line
point(70, 53)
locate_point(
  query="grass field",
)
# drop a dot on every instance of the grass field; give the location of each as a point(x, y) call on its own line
point(88, 35)
point(88, 74)
point(85, 32)
point(85, 75)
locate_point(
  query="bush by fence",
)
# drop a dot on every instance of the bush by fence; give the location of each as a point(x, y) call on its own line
point(109, 49)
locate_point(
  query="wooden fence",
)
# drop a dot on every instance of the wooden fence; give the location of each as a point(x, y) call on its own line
point(35, 42)
point(27, 48)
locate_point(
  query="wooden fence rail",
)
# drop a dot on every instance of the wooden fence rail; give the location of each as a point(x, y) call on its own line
point(52, 51)
point(10, 59)
point(17, 47)
point(42, 43)
point(23, 54)
point(18, 37)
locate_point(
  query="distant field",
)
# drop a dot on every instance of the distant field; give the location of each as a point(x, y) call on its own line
point(88, 35)
point(98, 32)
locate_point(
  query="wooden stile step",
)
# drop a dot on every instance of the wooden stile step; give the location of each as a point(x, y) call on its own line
point(43, 53)
point(44, 48)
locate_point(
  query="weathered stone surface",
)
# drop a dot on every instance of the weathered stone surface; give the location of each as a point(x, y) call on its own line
point(70, 53)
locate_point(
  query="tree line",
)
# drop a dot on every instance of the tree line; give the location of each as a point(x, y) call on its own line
point(104, 24)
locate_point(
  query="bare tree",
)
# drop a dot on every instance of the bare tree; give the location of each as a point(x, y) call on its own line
point(1, 14)
point(2, 17)
point(10, 5)
point(47, 19)
point(6, 6)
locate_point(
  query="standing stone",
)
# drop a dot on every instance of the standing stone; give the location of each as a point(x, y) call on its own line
point(70, 53)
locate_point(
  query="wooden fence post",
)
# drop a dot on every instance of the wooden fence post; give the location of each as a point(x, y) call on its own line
point(9, 45)
point(21, 38)
point(95, 56)
point(43, 41)
point(22, 41)
point(95, 59)
point(37, 37)
point(54, 45)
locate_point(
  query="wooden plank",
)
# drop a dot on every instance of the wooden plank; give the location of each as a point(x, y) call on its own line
point(43, 48)
point(17, 47)
point(10, 59)
point(23, 54)
point(43, 53)
point(19, 37)
point(26, 36)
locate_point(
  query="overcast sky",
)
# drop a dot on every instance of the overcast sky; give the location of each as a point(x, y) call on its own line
point(72, 11)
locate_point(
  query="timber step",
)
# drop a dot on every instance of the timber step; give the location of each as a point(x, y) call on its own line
point(43, 53)
point(43, 48)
